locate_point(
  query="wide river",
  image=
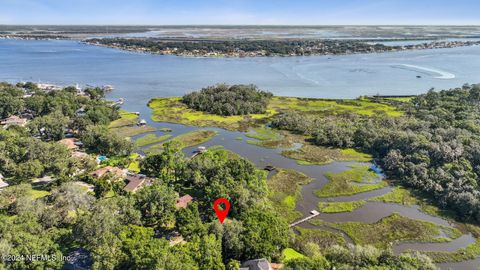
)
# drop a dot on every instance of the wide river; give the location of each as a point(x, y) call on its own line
point(139, 77)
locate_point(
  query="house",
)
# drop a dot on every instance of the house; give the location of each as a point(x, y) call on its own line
point(14, 121)
point(70, 143)
point(182, 202)
point(136, 182)
point(109, 169)
point(258, 264)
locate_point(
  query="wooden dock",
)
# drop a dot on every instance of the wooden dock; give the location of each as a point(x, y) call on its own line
point(314, 213)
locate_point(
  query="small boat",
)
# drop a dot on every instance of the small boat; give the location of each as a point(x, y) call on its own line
point(108, 87)
point(269, 168)
point(142, 122)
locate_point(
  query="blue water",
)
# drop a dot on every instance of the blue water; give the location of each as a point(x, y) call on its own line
point(138, 77)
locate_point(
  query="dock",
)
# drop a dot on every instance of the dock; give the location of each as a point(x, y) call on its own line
point(313, 214)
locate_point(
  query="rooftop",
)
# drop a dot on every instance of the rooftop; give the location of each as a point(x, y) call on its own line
point(183, 201)
point(14, 120)
point(135, 182)
point(70, 143)
point(108, 169)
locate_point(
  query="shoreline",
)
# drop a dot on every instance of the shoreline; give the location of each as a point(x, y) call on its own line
point(263, 53)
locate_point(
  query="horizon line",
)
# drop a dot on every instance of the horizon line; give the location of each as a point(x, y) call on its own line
point(268, 25)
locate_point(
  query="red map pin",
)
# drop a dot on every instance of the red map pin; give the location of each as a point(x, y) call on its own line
point(221, 214)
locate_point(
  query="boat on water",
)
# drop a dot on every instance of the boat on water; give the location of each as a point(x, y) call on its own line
point(108, 87)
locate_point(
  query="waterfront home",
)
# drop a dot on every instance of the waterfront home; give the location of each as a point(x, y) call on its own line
point(14, 121)
point(182, 202)
point(70, 143)
point(136, 182)
point(109, 169)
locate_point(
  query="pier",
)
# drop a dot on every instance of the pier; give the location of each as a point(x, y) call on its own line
point(313, 214)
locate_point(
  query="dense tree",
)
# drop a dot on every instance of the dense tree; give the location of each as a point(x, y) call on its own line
point(157, 204)
point(166, 165)
point(265, 234)
point(227, 100)
point(189, 223)
point(9, 105)
point(49, 127)
point(100, 140)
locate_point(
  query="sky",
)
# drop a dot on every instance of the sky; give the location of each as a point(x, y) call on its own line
point(240, 12)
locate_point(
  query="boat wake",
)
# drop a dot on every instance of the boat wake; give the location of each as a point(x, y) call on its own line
point(436, 73)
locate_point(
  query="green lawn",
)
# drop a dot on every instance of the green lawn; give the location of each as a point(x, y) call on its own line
point(36, 193)
point(290, 254)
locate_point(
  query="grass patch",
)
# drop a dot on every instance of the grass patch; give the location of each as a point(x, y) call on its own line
point(264, 133)
point(130, 131)
point(134, 166)
point(285, 190)
point(398, 195)
point(324, 239)
point(337, 207)
point(126, 125)
point(186, 140)
point(290, 254)
point(341, 184)
point(195, 137)
point(311, 154)
point(37, 193)
point(361, 106)
point(150, 139)
point(126, 119)
point(386, 231)
point(172, 110)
